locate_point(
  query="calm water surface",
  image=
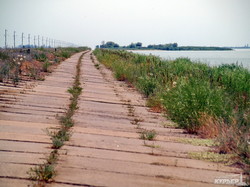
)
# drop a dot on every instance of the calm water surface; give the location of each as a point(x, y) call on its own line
point(213, 58)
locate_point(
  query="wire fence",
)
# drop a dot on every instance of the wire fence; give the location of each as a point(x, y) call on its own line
point(13, 39)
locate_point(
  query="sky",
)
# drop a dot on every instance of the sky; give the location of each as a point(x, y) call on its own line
point(89, 22)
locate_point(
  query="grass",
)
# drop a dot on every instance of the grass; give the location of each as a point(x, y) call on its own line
point(203, 100)
point(45, 172)
point(169, 125)
point(197, 141)
point(46, 66)
point(148, 134)
point(152, 145)
point(41, 56)
point(42, 173)
point(213, 157)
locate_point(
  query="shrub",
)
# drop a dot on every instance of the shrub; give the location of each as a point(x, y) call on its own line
point(234, 139)
point(4, 55)
point(65, 54)
point(189, 99)
point(46, 66)
point(4, 72)
point(41, 57)
point(120, 71)
point(146, 85)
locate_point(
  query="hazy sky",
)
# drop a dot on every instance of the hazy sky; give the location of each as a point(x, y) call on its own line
point(89, 22)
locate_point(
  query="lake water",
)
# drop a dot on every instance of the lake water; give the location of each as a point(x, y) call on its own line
point(213, 58)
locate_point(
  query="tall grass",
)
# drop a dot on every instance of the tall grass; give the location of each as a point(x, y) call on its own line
point(196, 96)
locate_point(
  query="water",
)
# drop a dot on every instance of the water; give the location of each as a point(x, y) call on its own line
point(213, 58)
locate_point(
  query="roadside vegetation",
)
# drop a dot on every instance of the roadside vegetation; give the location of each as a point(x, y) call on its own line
point(26, 64)
point(213, 102)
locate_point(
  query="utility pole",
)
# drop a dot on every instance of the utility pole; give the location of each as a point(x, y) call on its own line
point(34, 41)
point(42, 41)
point(14, 39)
point(29, 40)
point(38, 40)
point(22, 39)
point(5, 38)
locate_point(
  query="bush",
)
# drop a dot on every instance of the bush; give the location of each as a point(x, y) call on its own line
point(4, 55)
point(46, 66)
point(4, 71)
point(41, 57)
point(120, 71)
point(189, 99)
point(234, 139)
point(65, 54)
point(146, 85)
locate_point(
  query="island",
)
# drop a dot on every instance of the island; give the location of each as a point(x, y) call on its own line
point(168, 47)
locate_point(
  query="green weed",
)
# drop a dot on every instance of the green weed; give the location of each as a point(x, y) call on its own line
point(212, 157)
point(43, 172)
point(46, 66)
point(197, 141)
point(41, 57)
point(148, 134)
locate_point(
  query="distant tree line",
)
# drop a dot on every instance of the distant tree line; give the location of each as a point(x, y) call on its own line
point(170, 46)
